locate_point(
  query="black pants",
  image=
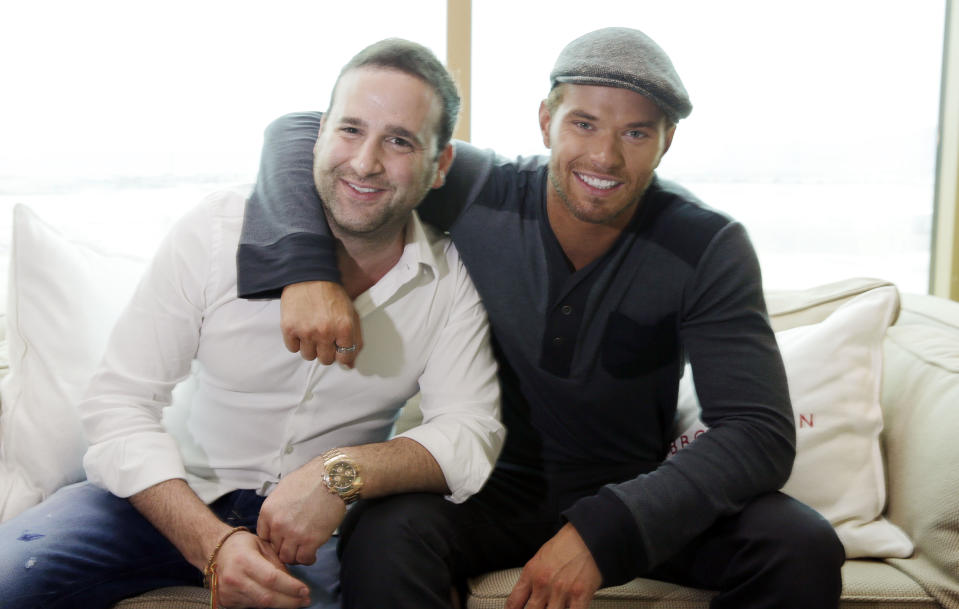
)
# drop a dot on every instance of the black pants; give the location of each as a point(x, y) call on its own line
point(410, 550)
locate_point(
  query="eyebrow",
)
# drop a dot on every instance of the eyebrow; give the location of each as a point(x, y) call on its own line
point(396, 130)
point(582, 114)
point(637, 125)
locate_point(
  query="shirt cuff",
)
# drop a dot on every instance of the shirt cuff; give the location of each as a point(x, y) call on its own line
point(264, 270)
point(128, 465)
point(465, 452)
point(610, 532)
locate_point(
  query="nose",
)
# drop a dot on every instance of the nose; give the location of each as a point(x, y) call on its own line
point(366, 160)
point(606, 151)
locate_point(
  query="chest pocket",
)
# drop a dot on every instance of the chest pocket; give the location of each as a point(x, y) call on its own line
point(631, 349)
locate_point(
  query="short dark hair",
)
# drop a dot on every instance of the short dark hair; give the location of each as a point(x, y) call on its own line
point(416, 60)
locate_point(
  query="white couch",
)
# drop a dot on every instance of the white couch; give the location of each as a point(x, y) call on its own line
point(843, 357)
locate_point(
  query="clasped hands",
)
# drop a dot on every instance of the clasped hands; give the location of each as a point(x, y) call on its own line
point(297, 518)
point(300, 514)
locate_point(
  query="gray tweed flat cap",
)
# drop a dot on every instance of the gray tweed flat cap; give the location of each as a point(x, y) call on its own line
point(625, 58)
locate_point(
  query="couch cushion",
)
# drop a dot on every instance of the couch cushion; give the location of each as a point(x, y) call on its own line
point(491, 590)
point(793, 308)
point(866, 583)
point(63, 299)
point(834, 366)
point(178, 597)
point(920, 401)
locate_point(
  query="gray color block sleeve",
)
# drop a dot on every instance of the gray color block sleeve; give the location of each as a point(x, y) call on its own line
point(285, 237)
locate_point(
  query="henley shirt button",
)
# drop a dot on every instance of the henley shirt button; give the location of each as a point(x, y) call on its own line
point(566, 309)
point(308, 396)
point(288, 449)
point(558, 341)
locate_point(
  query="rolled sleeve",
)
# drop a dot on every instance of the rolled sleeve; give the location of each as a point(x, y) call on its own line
point(460, 396)
point(464, 445)
point(132, 464)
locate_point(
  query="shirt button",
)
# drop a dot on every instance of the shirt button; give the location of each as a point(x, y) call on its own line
point(288, 449)
point(566, 309)
point(308, 396)
point(558, 341)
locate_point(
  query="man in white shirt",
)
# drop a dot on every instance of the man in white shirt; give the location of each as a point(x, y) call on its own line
point(256, 472)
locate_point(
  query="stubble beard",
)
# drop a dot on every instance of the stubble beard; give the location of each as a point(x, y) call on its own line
point(577, 213)
point(337, 216)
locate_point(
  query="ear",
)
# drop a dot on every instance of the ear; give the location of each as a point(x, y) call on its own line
point(544, 120)
point(443, 164)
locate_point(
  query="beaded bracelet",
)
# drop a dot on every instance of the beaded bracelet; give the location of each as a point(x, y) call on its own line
point(209, 574)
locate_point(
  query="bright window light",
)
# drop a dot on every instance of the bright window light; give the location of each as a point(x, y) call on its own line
point(119, 115)
point(814, 123)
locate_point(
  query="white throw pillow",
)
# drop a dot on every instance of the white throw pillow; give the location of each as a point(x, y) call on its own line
point(834, 369)
point(63, 300)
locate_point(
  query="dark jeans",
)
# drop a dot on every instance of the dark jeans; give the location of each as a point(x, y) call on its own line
point(84, 548)
point(410, 550)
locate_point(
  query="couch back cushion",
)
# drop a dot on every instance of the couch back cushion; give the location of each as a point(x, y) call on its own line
point(831, 342)
point(793, 308)
point(63, 299)
point(920, 400)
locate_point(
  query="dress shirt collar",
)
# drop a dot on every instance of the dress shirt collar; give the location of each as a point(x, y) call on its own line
point(418, 257)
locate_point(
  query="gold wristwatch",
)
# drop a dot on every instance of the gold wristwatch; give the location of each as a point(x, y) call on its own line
point(341, 475)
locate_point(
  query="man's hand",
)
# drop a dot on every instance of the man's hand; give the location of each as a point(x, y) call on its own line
point(562, 574)
point(316, 316)
point(249, 574)
point(300, 515)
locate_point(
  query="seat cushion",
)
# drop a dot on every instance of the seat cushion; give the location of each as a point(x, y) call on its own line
point(490, 591)
point(866, 584)
point(178, 597)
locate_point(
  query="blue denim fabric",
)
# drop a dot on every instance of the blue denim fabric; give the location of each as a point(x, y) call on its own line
point(84, 548)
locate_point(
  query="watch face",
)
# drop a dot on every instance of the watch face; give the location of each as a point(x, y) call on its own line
point(341, 476)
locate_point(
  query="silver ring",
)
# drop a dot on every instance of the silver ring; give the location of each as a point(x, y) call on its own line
point(349, 349)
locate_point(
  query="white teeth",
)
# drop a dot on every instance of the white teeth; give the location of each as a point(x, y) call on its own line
point(361, 189)
point(597, 182)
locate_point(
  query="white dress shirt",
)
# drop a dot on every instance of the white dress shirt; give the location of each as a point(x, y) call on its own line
point(256, 411)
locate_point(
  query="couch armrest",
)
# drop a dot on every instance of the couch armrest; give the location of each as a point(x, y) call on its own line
point(920, 401)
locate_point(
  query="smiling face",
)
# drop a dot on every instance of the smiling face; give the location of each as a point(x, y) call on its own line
point(605, 143)
point(376, 157)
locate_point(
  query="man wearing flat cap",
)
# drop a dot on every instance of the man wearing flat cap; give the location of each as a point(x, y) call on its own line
point(601, 280)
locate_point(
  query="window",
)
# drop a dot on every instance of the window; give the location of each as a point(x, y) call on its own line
point(119, 115)
point(814, 123)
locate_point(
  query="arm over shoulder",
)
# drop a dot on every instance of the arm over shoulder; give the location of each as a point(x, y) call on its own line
point(285, 237)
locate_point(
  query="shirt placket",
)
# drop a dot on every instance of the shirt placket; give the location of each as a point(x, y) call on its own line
point(562, 327)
